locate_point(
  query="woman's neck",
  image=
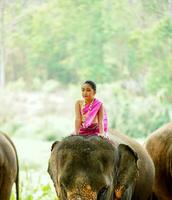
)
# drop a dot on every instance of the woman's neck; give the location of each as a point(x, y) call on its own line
point(89, 101)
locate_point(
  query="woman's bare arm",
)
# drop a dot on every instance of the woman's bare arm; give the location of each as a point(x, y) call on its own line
point(100, 120)
point(78, 118)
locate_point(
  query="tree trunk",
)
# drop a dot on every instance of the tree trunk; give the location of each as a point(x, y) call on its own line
point(2, 44)
point(170, 6)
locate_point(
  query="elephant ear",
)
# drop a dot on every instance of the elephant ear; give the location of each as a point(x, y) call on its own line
point(52, 160)
point(52, 169)
point(127, 169)
point(169, 161)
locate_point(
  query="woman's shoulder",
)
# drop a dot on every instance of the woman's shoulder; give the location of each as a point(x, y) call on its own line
point(99, 101)
point(79, 102)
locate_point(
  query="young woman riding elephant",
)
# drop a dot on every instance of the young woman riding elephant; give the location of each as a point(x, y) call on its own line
point(90, 114)
point(95, 168)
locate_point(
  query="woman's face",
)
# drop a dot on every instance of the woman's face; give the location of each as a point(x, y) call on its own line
point(88, 92)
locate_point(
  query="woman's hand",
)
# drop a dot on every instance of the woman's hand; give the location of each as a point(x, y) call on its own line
point(74, 133)
point(103, 135)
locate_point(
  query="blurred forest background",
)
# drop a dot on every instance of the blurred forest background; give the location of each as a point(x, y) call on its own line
point(49, 47)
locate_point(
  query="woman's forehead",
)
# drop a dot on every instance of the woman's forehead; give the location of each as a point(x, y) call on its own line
point(86, 85)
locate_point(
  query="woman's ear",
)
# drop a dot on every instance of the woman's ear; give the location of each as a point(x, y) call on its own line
point(127, 169)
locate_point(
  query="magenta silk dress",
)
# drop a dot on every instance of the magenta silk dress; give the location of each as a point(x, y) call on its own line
point(89, 112)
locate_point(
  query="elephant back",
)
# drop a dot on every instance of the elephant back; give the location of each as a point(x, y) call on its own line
point(8, 152)
point(159, 146)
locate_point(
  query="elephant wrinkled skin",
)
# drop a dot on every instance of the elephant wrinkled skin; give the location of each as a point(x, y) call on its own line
point(93, 168)
point(159, 146)
point(9, 169)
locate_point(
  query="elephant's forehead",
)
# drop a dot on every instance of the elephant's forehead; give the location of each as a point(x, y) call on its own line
point(81, 151)
point(77, 144)
point(83, 190)
point(71, 160)
point(85, 159)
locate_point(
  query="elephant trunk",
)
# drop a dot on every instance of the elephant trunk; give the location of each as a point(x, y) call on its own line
point(78, 197)
point(83, 192)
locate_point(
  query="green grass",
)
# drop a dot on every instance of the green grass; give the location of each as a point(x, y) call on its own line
point(35, 182)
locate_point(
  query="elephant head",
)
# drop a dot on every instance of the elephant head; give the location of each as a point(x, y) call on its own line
point(92, 168)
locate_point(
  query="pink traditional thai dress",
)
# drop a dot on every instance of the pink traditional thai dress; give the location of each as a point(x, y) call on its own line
point(89, 112)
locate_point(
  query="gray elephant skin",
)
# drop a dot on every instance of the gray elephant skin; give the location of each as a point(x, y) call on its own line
point(9, 169)
point(93, 168)
point(159, 146)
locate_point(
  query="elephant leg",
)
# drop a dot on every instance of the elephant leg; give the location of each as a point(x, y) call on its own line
point(5, 189)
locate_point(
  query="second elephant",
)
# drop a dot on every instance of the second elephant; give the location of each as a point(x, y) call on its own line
point(9, 168)
point(159, 146)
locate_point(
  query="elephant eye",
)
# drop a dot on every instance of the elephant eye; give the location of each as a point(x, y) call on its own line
point(102, 194)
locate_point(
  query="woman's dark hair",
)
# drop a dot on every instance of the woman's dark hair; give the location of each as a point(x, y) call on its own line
point(92, 84)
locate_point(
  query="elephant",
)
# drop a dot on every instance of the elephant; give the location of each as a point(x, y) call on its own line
point(159, 146)
point(9, 167)
point(96, 168)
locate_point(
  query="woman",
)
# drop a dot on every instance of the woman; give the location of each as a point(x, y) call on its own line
point(91, 118)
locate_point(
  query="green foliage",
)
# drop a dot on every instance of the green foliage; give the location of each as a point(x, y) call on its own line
point(49, 115)
point(31, 191)
point(135, 115)
point(161, 66)
point(71, 41)
point(139, 117)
